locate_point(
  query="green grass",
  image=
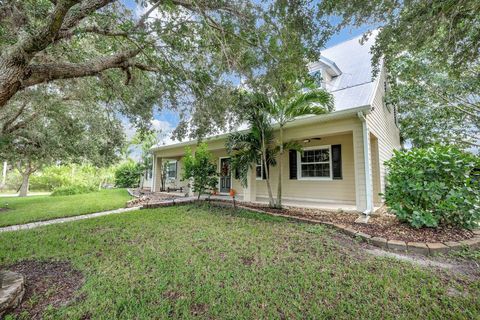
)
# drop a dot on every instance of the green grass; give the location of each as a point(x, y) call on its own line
point(38, 208)
point(181, 262)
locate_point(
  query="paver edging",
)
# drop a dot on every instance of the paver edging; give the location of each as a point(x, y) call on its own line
point(424, 248)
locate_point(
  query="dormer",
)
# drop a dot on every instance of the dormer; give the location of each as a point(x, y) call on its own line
point(328, 69)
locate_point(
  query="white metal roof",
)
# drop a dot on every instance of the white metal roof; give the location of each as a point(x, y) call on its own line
point(354, 86)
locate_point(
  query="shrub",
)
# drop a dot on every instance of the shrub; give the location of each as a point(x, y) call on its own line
point(199, 166)
point(127, 175)
point(72, 189)
point(434, 186)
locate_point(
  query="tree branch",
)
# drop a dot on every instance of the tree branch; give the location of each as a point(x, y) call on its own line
point(80, 11)
point(21, 124)
point(6, 125)
point(52, 71)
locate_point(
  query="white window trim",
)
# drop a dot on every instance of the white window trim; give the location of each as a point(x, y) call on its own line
point(175, 177)
point(299, 164)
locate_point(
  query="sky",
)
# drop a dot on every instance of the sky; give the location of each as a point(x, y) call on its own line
point(167, 120)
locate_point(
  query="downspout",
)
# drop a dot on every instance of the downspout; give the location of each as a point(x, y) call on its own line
point(368, 175)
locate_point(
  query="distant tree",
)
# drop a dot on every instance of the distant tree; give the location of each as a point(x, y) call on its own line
point(434, 108)
point(62, 135)
point(446, 31)
point(198, 166)
point(145, 141)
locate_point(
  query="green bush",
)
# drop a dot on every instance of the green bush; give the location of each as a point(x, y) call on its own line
point(72, 189)
point(200, 167)
point(433, 187)
point(127, 175)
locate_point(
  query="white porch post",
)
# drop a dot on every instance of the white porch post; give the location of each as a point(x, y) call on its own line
point(363, 170)
point(249, 193)
point(157, 168)
point(154, 172)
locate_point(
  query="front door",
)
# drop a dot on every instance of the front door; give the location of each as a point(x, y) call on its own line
point(225, 175)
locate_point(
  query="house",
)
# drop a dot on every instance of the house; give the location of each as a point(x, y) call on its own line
point(342, 164)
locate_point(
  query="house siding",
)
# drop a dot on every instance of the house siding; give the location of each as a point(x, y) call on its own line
point(316, 190)
point(381, 123)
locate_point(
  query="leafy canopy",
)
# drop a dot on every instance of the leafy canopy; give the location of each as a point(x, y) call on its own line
point(179, 54)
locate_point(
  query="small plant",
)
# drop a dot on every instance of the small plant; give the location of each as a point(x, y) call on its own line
point(127, 175)
point(434, 186)
point(199, 167)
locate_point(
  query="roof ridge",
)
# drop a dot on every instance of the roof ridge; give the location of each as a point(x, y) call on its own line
point(351, 39)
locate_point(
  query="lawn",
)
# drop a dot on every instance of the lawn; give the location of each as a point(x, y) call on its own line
point(38, 208)
point(190, 261)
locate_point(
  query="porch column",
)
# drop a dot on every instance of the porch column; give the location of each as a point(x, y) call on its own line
point(249, 193)
point(363, 177)
point(157, 172)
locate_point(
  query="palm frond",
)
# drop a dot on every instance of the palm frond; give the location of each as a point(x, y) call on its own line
point(316, 101)
point(293, 145)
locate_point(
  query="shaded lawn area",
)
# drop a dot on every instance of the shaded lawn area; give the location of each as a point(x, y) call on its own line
point(38, 208)
point(190, 261)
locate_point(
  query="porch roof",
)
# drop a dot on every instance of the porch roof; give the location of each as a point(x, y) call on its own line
point(301, 121)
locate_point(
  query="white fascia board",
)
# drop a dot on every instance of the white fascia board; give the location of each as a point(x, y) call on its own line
point(342, 114)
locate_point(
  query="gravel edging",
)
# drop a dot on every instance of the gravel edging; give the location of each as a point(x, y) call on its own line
point(424, 248)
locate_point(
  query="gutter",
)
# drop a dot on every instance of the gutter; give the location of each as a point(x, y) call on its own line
point(298, 122)
point(368, 175)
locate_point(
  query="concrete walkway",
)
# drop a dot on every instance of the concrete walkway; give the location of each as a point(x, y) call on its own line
point(33, 225)
point(30, 194)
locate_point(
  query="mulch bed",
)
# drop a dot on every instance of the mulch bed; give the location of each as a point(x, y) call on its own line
point(47, 283)
point(380, 225)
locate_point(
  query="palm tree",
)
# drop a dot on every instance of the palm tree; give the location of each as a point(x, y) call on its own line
point(312, 102)
point(255, 145)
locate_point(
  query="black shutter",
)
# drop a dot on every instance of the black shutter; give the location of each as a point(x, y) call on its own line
point(337, 161)
point(176, 169)
point(293, 163)
point(264, 173)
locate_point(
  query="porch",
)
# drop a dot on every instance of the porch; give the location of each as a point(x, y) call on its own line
point(330, 173)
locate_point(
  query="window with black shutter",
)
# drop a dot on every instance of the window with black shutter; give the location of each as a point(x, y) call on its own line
point(292, 156)
point(337, 161)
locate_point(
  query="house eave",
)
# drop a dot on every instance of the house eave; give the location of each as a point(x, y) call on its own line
point(336, 115)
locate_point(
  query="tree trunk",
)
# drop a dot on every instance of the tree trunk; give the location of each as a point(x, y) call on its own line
point(11, 73)
point(4, 174)
point(25, 182)
point(267, 174)
point(279, 187)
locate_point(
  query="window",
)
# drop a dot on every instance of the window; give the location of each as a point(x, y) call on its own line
point(315, 163)
point(171, 169)
point(259, 171)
